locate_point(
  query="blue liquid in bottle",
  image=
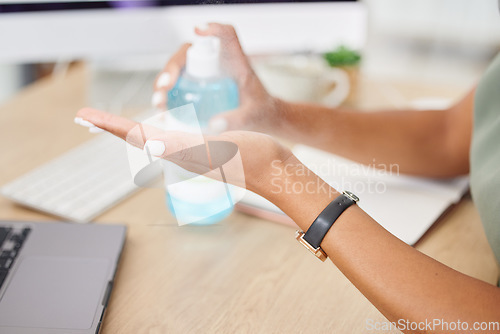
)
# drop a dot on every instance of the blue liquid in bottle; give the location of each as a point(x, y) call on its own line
point(201, 200)
point(209, 97)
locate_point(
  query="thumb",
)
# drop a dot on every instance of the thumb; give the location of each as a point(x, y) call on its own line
point(229, 120)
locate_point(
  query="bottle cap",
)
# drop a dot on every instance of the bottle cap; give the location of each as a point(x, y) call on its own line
point(202, 59)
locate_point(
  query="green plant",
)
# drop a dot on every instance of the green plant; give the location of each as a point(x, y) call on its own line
point(342, 56)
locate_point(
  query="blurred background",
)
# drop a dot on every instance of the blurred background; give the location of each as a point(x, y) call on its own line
point(125, 43)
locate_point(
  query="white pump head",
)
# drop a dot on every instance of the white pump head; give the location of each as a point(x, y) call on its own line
point(202, 59)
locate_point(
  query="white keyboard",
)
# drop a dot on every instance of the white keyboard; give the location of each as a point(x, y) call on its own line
point(79, 185)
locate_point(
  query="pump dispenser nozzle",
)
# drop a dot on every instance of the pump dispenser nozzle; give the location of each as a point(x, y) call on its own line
point(202, 59)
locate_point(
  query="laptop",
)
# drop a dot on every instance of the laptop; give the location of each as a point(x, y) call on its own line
point(56, 277)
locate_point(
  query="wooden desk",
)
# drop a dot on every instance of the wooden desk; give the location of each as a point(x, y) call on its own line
point(243, 275)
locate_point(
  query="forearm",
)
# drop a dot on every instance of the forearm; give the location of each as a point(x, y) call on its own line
point(418, 142)
point(399, 280)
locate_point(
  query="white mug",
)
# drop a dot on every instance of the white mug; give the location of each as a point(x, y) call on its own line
point(303, 79)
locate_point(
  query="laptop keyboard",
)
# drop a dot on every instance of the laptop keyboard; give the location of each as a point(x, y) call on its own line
point(11, 241)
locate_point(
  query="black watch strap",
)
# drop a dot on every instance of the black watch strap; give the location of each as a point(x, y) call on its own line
point(317, 231)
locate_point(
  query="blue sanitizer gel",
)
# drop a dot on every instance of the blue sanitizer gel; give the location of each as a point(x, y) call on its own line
point(209, 96)
point(193, 198)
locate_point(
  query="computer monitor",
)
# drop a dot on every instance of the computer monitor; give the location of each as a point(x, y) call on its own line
point(45, 31)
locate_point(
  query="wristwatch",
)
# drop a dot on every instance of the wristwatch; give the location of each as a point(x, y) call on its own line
point(314, 236)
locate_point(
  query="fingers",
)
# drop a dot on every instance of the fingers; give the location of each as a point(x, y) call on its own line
point(182, 148)
point(167, 78)
point(188, 150)
point(217, 157)
point(233, 61)
point(230, 120)
point(223, 31)
point(134, 133)
point(92, 128)
point(114, 124)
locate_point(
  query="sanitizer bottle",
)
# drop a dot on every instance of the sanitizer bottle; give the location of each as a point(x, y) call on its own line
point(202, 83)
point(193, 198)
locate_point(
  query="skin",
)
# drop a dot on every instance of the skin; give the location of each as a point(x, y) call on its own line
point(431, 143)
point(399, 280)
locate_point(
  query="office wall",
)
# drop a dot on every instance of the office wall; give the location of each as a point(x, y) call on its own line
point(443, 41)
point(470, 24)
point(10, 80)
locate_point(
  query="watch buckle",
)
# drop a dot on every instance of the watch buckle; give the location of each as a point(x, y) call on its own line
point(351, 196)
point(318, 252)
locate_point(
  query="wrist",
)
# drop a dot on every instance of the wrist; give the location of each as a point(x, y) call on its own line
point(273, 117)
point(296, 190)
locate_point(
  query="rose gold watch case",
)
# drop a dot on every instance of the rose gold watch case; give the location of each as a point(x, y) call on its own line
point(318, 252)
